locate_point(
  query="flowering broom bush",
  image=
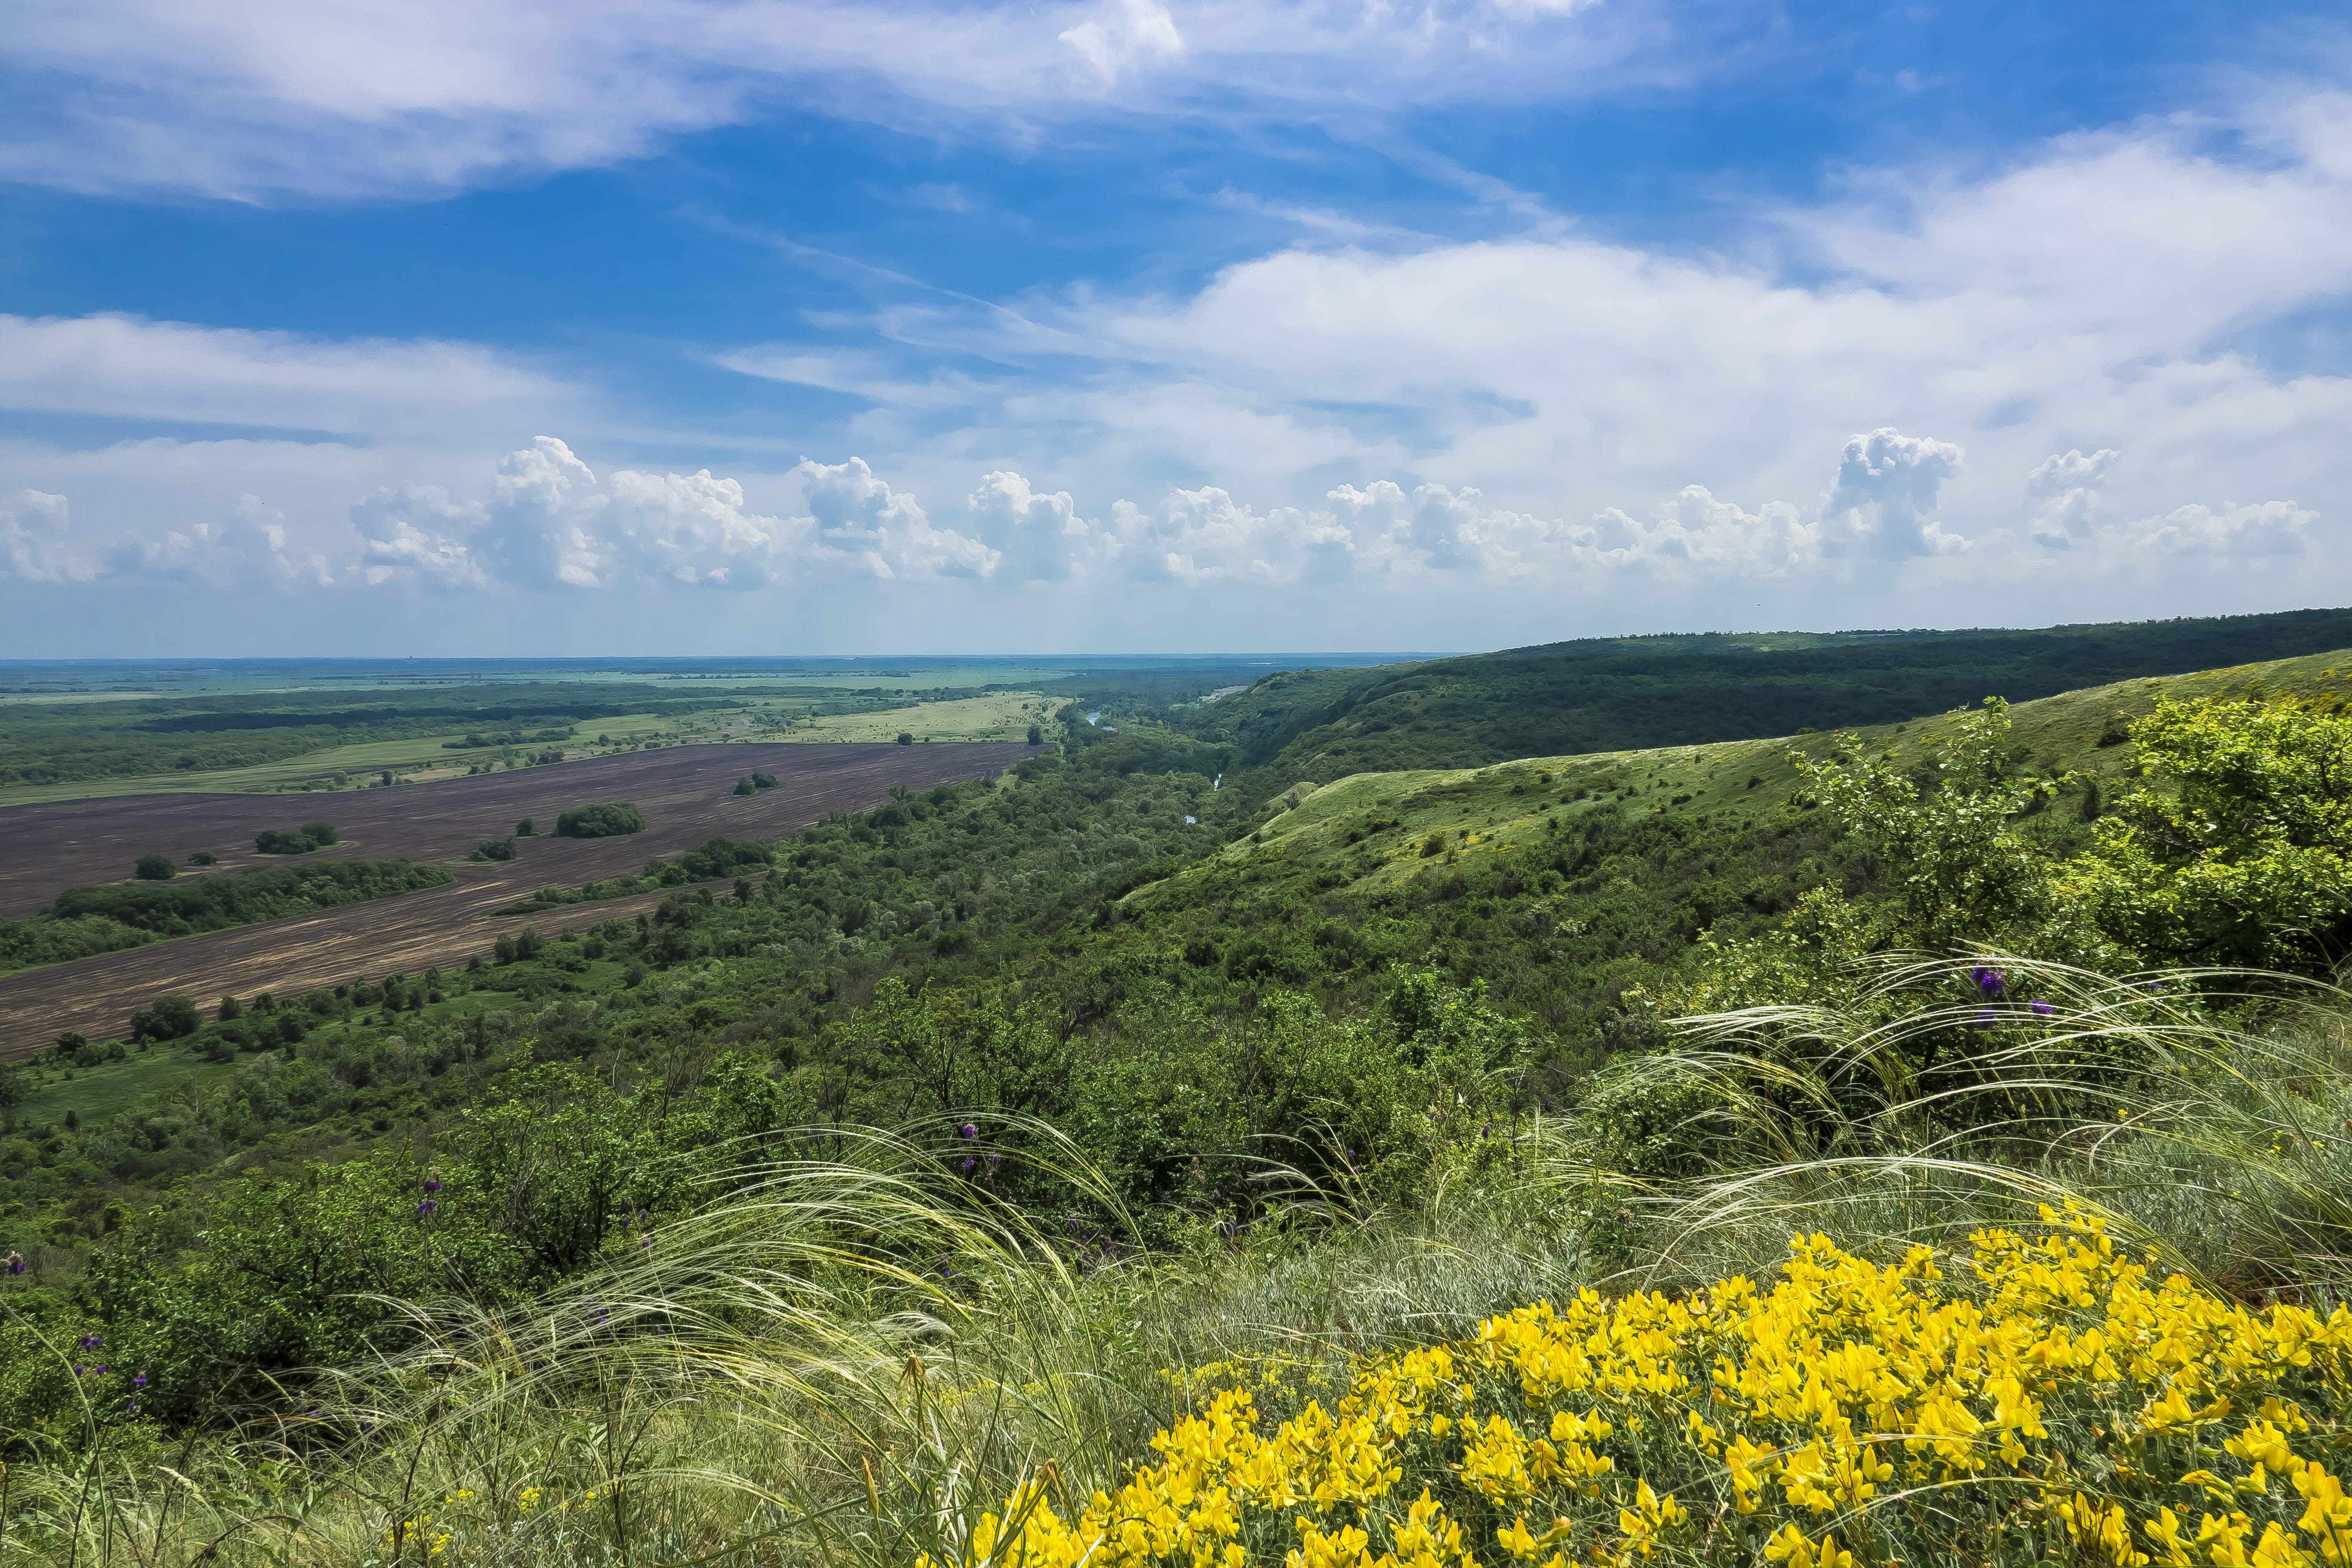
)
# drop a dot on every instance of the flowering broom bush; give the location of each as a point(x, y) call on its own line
point(2055, 1402)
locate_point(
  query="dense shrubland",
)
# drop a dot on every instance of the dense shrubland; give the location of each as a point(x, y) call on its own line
point(1275, 1162)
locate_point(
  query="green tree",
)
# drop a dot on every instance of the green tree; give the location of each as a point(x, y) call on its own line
point(155, 869)
point(1961, 871)
point(165, 1019)
point(607, 820)
point(2234, 852)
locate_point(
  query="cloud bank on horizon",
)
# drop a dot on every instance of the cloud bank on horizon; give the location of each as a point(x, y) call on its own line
point(747, 326)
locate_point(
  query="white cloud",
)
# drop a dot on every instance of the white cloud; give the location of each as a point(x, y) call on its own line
point(36, 534)
point(1885, 501)
point(2062, 495)
point(1038, 535)
point(129, 367)
point(1205, 536)
point(1439, 529)
point(2235, 533)
point(1695, 535)
point(419, 536)
point(257, 96)
point(249, 549)
point(1120, 34)
point(858, 517)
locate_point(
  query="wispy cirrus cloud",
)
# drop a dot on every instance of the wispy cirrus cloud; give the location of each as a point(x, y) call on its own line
point(263, 98)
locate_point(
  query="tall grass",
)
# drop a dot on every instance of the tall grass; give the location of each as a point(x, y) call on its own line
point(2206, 1114)
point(845, 1362)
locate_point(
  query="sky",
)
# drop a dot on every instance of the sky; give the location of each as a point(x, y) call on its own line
point(512, 327)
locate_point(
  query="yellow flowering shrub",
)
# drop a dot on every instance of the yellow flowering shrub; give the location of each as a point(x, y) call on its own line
point(2053, 1402)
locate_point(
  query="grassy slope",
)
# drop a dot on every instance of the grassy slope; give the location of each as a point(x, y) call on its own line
point(1517, 806)
point(1582, 698)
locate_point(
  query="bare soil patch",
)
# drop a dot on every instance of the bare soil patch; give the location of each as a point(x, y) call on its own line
point(683, 791)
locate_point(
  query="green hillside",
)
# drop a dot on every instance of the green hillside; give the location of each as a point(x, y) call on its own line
point(1100, 1081)
point(1611, 694)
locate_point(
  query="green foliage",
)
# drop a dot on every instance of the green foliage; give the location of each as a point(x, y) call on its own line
point(155, 869)
point(1616, 694)
point(83, 921)
point(1960, 870)
point(2235, 853)
point(165, 1019)
point(608, 820)
point(298, 840)
point(493, 849)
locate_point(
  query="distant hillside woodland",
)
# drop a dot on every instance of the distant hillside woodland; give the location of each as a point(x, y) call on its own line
point(1158, 1154)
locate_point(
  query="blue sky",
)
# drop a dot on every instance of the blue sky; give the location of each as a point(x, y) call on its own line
point(472, 326)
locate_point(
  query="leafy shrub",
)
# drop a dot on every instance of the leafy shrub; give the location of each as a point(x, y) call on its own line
point(204, 858)
point(493, 849)
point(165, 1019)
point(764, 781)
point(155, 868)
point(905, 739)
point(608, 820)
point(297, 840)
point(745, 786)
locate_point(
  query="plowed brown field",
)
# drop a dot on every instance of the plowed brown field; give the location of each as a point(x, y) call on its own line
point(683, 792)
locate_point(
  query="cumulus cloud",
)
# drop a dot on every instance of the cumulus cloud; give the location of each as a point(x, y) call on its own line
point(1039, 535)
point(1439, 528)
point(1206, 536)
point(419, 536)
point(249, 548)
point(858, 517)
point(36, 533)
point(1695, 535)
point(1884, 501)
point(2062, 495)
point(2234, 532)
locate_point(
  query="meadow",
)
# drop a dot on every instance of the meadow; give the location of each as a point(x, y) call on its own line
point(1922, 1142)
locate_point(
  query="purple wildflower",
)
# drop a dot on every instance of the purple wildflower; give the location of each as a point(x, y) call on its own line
point(969, 1162)
point(1989, 980)
point(1984, 1018)
point(15, 1263)
point(139, 1381)
point(2042, 1009)
point(78, 1370)
point(970, 1130)
point(432, 1184)
point(425, 1210)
